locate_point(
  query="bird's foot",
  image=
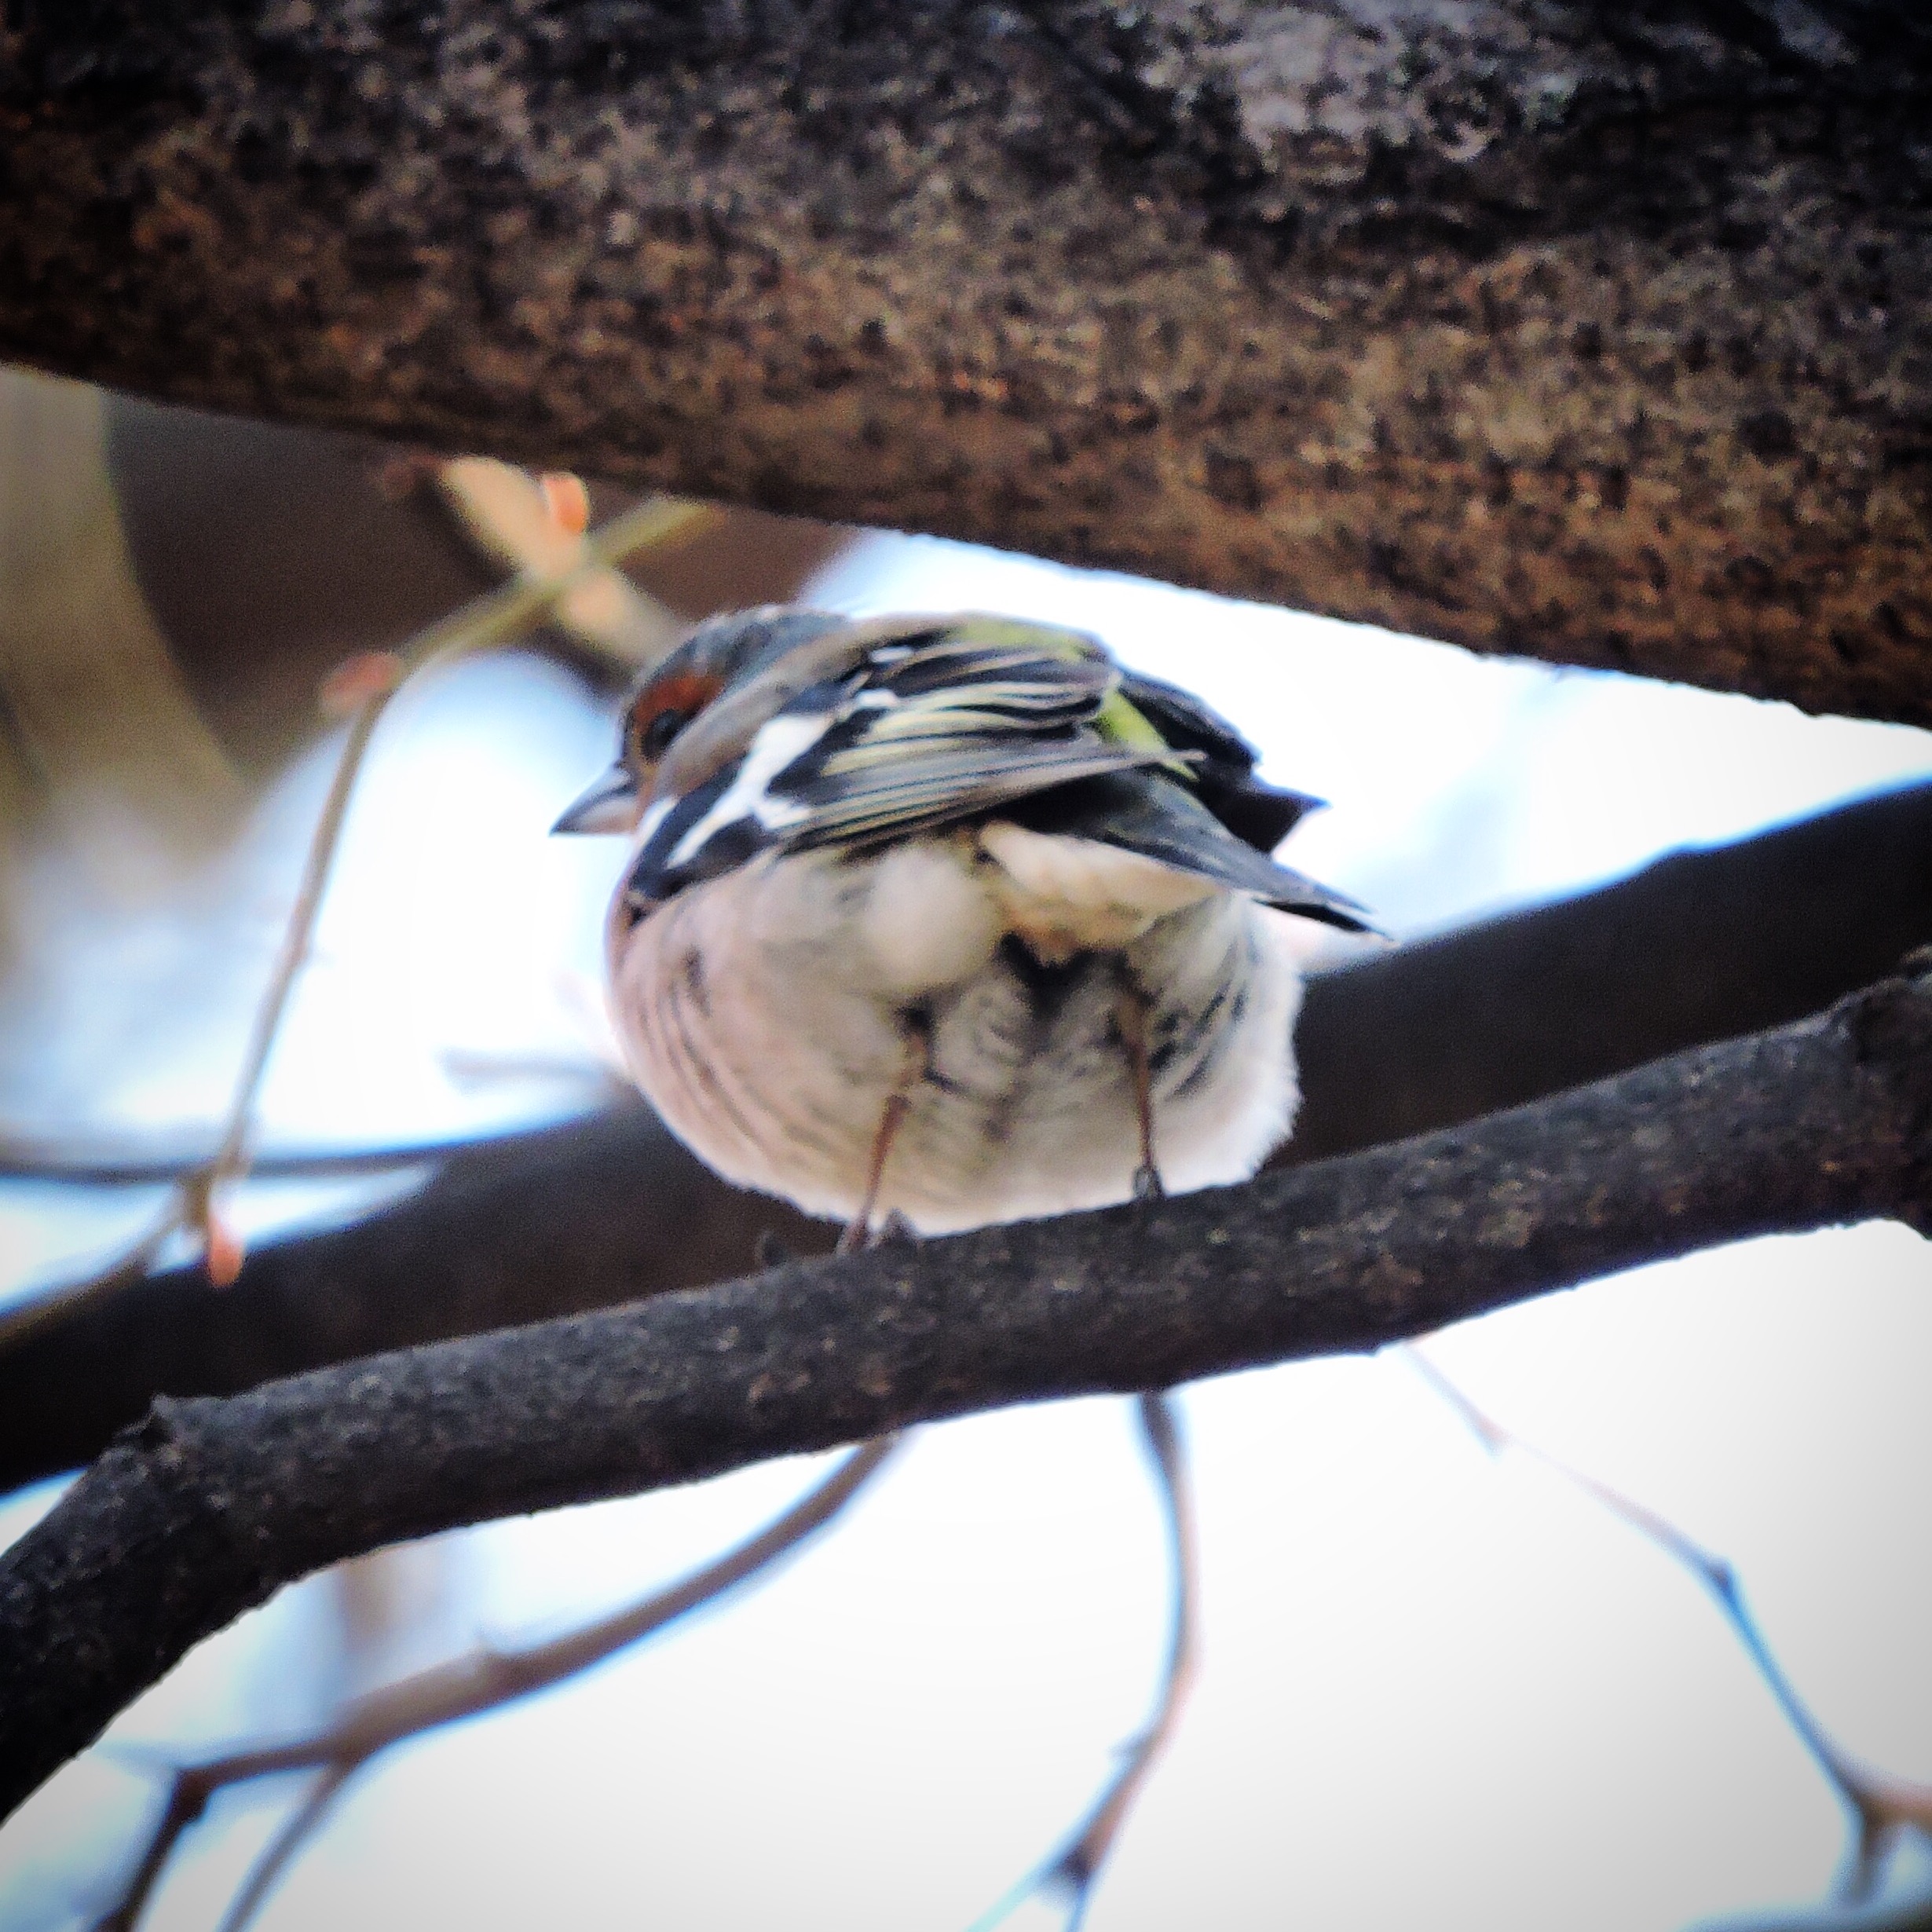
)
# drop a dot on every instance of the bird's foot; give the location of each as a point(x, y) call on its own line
point(1147, 1184)
point(860, 1236)
point(895, 1231)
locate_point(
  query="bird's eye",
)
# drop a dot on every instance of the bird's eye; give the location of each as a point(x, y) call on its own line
point(655, 739)
point(666, 705)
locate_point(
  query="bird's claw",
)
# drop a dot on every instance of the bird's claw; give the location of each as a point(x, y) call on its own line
point(894, 1230)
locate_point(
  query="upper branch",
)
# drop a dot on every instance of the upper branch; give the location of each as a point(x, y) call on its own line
point(1603, 334)
point(211, 1505)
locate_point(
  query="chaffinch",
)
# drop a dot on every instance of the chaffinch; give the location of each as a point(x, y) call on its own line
point(949, 918)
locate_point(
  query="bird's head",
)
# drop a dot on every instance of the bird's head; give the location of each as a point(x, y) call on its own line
point(700, 707)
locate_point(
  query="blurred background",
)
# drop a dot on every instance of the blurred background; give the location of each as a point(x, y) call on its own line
point(1436, 1686)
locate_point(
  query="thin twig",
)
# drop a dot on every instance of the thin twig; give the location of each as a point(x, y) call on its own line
point(514, 517)
point(1881, 1807)
point(492, 619)
point(154, 1162)
point(1072, 1871)
point(466, 1687)
point(300, 1825)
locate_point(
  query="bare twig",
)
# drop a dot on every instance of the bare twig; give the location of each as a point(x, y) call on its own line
point(371, 684)
point(1072, 1870)
point(474, 1068)
point(209, 1505)
point(514, 517)
point(151, 1161)
point(298, 1828)
point(468, 1687)
point(1881, 1807)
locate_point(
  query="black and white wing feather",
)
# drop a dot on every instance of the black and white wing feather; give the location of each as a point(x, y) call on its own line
point(1160, 818)
point(927, 723)
point(1258, 814)
point(971, 721)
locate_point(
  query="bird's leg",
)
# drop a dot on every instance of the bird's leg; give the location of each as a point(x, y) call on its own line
point(915, 1063)
point(1133, 1009)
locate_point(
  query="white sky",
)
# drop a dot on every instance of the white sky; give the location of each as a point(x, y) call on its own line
point(1437, 1688)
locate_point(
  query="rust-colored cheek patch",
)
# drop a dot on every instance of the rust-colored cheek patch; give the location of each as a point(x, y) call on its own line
point(684, 693)
point(685, 690)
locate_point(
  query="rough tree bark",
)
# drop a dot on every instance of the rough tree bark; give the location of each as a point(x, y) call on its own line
point(1599, 332)
point(1701, 946)
point(208, 1506)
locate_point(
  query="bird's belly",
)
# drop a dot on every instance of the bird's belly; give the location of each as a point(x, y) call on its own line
point(768, 1026)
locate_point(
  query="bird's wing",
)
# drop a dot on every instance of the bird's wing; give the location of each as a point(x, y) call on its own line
point(928, 723)
point(1260, 814)
point(986, 711)
point(922, 723)
point(1148, 812)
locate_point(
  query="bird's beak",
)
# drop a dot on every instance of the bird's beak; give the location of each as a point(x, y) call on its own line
point(611, 804)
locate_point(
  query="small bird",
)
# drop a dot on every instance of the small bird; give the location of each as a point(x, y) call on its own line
point(947, 920)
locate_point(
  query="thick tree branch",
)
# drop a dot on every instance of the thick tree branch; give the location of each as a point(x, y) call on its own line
point(210, 1506)
point(1596, 332)
point(1700, 947)
point(552, 1223)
